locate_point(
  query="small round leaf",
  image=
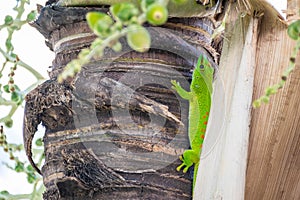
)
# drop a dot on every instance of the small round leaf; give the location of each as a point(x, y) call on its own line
point(39, 142)
point(31, 16)
point(138, 38)
point(8, 20)
point(124, 11)
point(294, 30)
point(6, 88)
point(117, 47)
point(15, 97)
point(157, 14)
point(30, 168)
point(99, 22)
point(19, 167)
point(265, 99)
point(256, 104)
point(8, 123)
point(4, 192)
point(31, 177)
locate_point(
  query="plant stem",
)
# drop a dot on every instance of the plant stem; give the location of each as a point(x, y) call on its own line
point(274, 88)
point(22, 64)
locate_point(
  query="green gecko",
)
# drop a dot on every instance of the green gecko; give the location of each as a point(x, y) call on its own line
point(199, 106)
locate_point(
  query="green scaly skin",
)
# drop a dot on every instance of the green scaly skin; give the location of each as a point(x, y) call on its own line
point(199, 106)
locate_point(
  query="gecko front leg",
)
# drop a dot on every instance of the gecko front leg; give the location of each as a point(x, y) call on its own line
point(182, 92)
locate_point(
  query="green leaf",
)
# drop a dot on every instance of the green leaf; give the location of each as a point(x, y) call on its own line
point(19, 167)
point(30, 168)
point(39, 142)
point(8, 123)
point(13, 55)
point(256, 104)
point(6, 88)
point(15, 97)
point(294, 30)
point(269, 91)
point(157, 14)
point(265, 99)
point(147, 3)
point(124, 11)
point(138, 38)
point(99, 23)
point(93, 18)
point(117, 47)
point(8, 20)
point(31, 178)
point(4, 192)
point(31, 16)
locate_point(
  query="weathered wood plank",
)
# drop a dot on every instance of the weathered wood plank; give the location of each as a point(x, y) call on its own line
point(273, 169)
point(223, 163)
point(274, 154)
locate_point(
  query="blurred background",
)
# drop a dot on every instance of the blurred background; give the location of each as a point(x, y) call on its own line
point(30, 46)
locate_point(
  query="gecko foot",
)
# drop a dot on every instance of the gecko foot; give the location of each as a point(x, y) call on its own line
point(186, 164)
point(189, 158)
point(175, 85)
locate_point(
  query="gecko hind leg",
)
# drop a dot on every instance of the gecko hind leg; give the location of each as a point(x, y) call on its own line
point(189, 158)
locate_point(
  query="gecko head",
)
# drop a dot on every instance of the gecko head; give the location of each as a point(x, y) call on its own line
point(204, 67)
point(204, 70)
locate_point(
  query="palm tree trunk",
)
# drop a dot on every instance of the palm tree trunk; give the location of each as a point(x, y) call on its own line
point(114, 131)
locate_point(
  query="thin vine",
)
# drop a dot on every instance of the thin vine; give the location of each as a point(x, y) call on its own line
point(22, 167)
point(11, 59)
point(294, 33)
point(11, 95)
point(125, 19)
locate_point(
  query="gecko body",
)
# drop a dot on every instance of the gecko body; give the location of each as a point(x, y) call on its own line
point(199, 99)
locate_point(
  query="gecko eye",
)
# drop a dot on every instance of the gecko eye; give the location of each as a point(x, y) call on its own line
point(201, 67)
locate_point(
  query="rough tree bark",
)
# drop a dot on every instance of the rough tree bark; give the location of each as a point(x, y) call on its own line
point(114, 131)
